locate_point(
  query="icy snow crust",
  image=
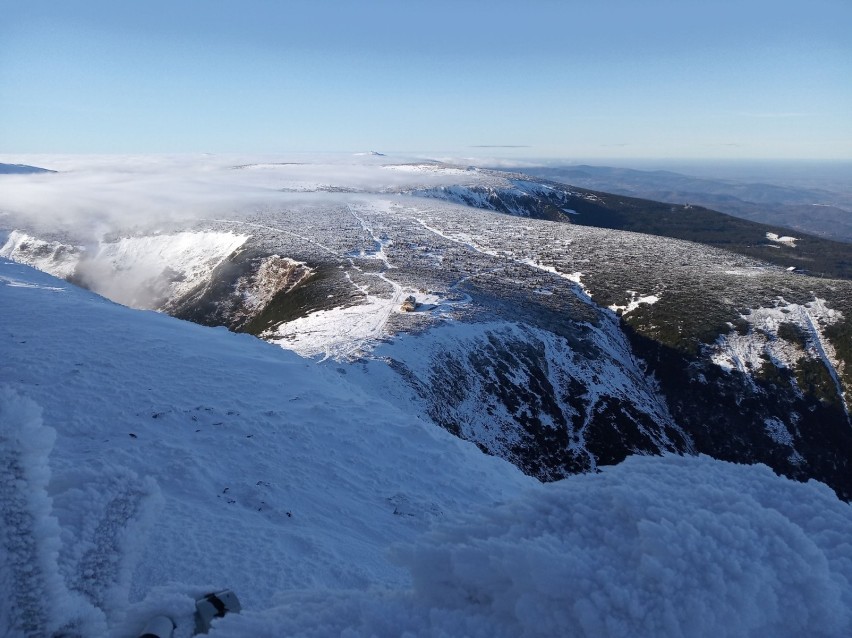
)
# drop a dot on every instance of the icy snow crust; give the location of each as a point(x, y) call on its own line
point(652, 547)
point(187, 459)
point(35, 599)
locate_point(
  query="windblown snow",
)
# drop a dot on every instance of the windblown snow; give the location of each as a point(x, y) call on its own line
point(652, 547)
point(188, 459)
point(165, 266)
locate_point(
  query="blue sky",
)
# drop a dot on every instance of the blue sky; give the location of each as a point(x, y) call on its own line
point(570, 79)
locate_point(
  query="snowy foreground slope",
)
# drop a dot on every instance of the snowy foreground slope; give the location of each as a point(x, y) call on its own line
point(147, 460)
point(272, 473)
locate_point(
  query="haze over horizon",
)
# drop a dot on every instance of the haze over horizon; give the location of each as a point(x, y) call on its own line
point(751, 80)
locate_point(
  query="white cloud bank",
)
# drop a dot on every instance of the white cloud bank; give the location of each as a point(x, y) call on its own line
point(93, 195)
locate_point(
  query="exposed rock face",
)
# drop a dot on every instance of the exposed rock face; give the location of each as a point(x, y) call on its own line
point(533, 397)
point(410, 304)
point(241, 289)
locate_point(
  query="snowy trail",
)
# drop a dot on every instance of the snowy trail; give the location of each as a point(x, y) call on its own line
point(379, 242)
point(347, 333)
point(457, 284)
point(341, 333)
point(455, 240)
point(398, 294)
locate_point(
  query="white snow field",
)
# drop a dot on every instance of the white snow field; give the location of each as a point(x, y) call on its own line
point(271, 472)
point(148, 460)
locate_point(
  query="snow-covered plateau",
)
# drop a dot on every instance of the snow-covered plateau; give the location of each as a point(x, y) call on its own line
point(473, 408)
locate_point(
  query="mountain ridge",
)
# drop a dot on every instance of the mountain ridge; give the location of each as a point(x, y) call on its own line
point(809, 209)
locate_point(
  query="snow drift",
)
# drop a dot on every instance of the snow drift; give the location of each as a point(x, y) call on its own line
point(34, 599)
point(671, 546)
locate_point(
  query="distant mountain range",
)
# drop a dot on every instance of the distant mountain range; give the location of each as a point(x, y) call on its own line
point(816, 211)
point(22, 169)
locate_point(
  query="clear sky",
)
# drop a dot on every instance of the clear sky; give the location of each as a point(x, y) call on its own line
point(569, 78)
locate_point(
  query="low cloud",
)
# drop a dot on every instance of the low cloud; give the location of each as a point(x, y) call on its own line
point(91, 196)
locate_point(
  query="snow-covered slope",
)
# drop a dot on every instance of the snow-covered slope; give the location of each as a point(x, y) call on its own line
point(519, 197)
point(148, 460)
point(531, 396)
point(273, 473)
point(52, 257)
point(140, 272)
point(651, 548)
point(783, 336)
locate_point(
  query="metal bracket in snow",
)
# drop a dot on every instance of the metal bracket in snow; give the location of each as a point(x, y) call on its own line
point(158, 627)
point(212, 606)
point(208, 607)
